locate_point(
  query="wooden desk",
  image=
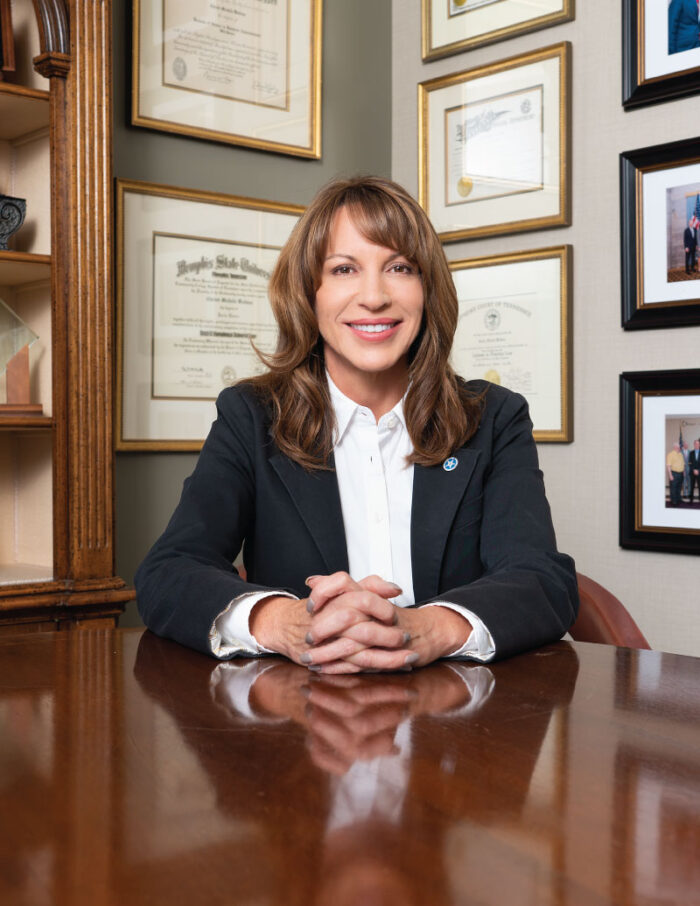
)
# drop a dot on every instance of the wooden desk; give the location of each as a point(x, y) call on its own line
point(129, 775)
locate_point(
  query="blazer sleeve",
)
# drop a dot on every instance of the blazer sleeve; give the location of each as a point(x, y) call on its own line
point(187, 578)
point(527, 595)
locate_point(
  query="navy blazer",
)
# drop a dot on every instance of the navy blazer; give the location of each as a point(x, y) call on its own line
point(481, 534)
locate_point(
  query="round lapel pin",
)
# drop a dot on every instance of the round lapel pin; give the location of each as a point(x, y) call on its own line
point(450, 463)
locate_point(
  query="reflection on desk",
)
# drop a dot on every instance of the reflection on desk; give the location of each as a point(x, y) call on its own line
point(137, 771)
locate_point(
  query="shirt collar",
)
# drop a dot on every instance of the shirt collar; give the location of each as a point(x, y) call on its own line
point(345, 409)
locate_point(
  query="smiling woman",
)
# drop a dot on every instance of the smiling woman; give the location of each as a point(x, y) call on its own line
point(389, 512)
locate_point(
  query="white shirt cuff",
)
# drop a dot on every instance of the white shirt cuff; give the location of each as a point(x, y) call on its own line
point(230, 633)
point(480, 645)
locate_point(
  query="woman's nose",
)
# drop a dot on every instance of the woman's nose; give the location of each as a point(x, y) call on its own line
point(373, 292)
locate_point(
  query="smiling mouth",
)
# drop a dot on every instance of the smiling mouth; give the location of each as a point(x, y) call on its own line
point(374, 328)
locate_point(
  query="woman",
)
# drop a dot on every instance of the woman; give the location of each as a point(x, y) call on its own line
point(361, 468)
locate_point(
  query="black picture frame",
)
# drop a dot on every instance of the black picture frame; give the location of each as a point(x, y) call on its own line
point(638, 91)
point(635, 478)
point(637, 314)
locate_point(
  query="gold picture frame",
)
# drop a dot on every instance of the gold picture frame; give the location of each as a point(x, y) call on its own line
point(494, 146)
point(192, 273)
point(454, 26)
point(196, 72)
point(515, 328)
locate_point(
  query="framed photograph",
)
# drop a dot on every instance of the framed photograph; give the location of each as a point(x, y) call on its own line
point(494, 146)
point(515, 329)
point(192, 276)
point(239, 72)
point(660, 461)
point(453, 26)
point(660, 51)
point(660, 218)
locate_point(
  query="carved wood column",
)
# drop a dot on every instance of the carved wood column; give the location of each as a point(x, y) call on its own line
point(76, 55)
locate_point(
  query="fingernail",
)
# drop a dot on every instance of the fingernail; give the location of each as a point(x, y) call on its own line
point(305, 658)
point(396, 617)
point(406, 638)
point(407, 669)
point(397, 587)
point(412, 658)
point(310, 605)
point(309, 639)
point(315, 667)
point(308, 579)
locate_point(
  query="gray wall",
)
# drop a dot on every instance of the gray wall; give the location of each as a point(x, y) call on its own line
point(661, 590)
point(356, 138)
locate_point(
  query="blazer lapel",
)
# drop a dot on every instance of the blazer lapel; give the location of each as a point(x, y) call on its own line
point(437, 494)
point(317, 500)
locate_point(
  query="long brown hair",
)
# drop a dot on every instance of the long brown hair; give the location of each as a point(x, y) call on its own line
point(441, 414)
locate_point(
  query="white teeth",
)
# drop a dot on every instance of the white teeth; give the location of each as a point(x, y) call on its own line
point(373, 328)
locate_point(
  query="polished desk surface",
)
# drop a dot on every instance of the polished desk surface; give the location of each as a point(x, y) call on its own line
point(134, 771)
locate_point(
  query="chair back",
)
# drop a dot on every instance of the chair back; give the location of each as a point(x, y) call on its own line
point(603, 618)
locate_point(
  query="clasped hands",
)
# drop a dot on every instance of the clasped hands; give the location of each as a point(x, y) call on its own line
point(346, 626)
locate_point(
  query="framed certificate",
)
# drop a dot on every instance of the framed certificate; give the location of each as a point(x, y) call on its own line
point(243, 72)
point(660, 51)
point(494, 146)
point(514, 329)
point(192, 275)
point(659, 233)
point(453, 26)
point(659, 450)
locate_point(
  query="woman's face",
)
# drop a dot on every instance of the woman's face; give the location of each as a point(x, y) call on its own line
point(369, 308)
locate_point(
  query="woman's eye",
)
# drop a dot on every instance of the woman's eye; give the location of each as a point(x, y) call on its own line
point(402, 268)
point(342, 269)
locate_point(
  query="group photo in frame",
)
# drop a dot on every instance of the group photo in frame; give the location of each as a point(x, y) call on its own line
point(514, 329)
point(494, 146)
point(660, 51)
point(659, 459)
point(453, 26)
point(192, 306)
point(236, 72)
point(660, 235)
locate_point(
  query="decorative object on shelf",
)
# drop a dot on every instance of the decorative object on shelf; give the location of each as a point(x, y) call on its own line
point(659, 233)
point(514, 329)
point(453, 26)
point(660, 51)
point(247, 74)
point(659, 454)
point(15, 340)
point(12, 211)
point(494, 146)
point(192, 274)
point(7, 44)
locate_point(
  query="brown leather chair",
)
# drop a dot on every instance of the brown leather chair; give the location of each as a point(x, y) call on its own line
point(603, 618)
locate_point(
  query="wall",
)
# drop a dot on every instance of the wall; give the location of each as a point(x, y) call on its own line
point(661, 590)
point(356, 138)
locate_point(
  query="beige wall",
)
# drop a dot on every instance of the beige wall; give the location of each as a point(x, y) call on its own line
point(662, 591)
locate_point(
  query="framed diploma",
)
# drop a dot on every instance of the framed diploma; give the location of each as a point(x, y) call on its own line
point(514, 329)
point(660, 460)
point(453, 26)
point(659, 233)
point(660, 51)
point(494, 146)
point(192, 274)
point(246, 72)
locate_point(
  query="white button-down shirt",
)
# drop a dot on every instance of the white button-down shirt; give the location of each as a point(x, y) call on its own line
point(376, 493)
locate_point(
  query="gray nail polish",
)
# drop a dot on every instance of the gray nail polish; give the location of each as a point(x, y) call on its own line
point(406, 638)
point(412, 658)
point(305, 658)
point(310, 605)
point(315, 667)
point(309, 639)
